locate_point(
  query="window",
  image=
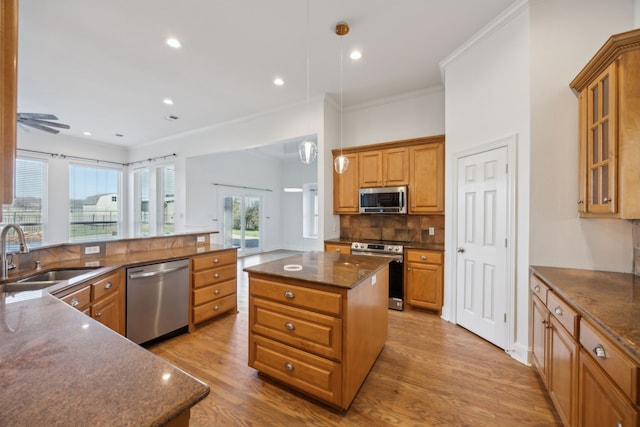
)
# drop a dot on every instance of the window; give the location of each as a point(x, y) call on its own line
point(310, 211)
point(94, 208)
point(30, 204)
point(141, 197)
point(154, 201)
point(166, 178)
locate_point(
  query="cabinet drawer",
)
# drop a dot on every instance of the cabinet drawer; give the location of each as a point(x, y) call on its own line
point(214, 275)
point(213, 308)
point(622, 370)
point(538, 287)
point(312, 374)
point(317, 333)
point(565, 314)
point(214, 260)
point(106, 285)
point(79, 299)
point(210, 293)
point(313, 299)
point(424, 256)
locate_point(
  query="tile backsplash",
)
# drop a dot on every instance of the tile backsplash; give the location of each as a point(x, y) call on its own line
point(404, 228)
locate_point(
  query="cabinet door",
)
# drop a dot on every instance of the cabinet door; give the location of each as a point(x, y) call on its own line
point(108, 312)
point(424, 285)
point(426, 178)
point(370, 163)
point(395, 167)
point(345, 187)
point(562, 371)
point(539, 329)
point(601, 131)
point(8, 98)
point(600, 403)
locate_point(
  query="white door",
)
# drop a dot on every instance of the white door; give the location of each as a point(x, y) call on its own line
point(482, 227)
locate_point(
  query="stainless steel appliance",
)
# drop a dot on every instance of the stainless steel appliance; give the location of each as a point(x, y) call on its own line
point(396, 268)
point(157, 300)
point(389, 200)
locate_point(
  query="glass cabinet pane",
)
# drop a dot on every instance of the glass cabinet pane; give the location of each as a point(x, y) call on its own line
point(594, 186)
point(605, 140)
point(605, 184)
point(594, 145)
point(596, 116)
point(605, 96)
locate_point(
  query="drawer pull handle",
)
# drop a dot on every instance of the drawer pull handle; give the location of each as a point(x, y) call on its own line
point(216, 276)
point(599, 351)
point(546, 324)
point(74, 302)
point(558, 311)
point(98, 315)
point(338, 249)
point(289, 294)
point(290, 326)
point(108, 285)
point(216, 308)
point(288, 366)
point(216, 260)
point(216, 292)
point(423, 257)
point(536, 288)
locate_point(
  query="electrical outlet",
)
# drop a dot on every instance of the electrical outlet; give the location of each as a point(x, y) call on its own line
point(374, 279)
point(432, 231)
point(88, 250)
point(200, 239)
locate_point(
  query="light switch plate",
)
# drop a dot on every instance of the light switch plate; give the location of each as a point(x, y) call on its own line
point(200, 239)
point(432, 231)
point(91, 250)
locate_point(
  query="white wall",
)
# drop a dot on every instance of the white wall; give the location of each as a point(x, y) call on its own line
point(564, 36)
point(487, 99)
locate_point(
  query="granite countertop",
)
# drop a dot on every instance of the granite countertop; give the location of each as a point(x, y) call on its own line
point(325, 268)
point(60, 367)
point(406, 245)
point(610, 301)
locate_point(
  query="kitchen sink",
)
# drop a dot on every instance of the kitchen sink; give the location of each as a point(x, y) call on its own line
point(27, 286)
point(55, 275)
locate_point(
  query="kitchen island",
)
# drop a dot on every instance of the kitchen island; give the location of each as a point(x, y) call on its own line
point(318, 321)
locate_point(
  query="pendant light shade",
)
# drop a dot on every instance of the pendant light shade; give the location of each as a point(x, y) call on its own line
point(341, 163)
point(308, 151)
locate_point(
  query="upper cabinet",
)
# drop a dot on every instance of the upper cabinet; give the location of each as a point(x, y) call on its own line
point(384, 168)
point(417, 163)
point(608, 90)
point(8, 97)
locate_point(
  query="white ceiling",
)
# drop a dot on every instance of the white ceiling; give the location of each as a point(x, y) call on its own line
point(103, 66)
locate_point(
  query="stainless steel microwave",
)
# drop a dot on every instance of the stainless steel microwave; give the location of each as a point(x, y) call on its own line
point(383, 200)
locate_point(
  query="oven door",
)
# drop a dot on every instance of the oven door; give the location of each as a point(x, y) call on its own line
point(396, 278)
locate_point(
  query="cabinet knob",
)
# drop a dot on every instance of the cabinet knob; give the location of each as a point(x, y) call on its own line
point(216, 292)
point(108, 285)
point(460, 250)
point(408, 268)
point(216, 276)
point(216, 260)
point(599, 351)
point(423, 257)
point(289, 294)
point(606, 200)
point(98, 315)
point(558, 311)
point(216, 308)
point(581, 202)
point(74, 302)
point(338, 249)
point(288, 366)
point(536, 288)
point(289, 326)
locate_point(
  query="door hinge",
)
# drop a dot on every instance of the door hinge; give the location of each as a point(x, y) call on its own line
point(505, 318)
point(506, 245)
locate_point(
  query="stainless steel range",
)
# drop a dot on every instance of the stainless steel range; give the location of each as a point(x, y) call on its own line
point(396, 267)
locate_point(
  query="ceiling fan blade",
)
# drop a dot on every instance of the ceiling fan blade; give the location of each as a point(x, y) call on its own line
point(38, 116)
point(46, 123)
point(39, 126)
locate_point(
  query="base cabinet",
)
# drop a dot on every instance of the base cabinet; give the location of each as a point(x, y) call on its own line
point(343, 248)
point(424, 279)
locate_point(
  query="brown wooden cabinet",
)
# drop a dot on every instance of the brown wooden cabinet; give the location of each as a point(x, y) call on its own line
point(311, 336)
point(539, 326)
point(103, 298)
point(343, 248)
point(608, 89)
point(426, 178)
point(384, 168)
point(8, 97)
point(213, 285)
point(345, 186)
point(424, 279)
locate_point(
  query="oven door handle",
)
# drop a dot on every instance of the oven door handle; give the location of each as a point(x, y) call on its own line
point(396, 258)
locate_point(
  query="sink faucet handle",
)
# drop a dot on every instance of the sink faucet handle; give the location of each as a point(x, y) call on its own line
point(10, 264)
point(38, 265)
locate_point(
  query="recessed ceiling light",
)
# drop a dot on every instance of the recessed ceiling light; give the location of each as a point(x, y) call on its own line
point(174, 43)
point(355, 55)
point(86, 133)
point(168, 101)
point(278, 81)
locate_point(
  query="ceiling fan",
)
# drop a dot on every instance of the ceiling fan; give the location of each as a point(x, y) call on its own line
point(41, 122)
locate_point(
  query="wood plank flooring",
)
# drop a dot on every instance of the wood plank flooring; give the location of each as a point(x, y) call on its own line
point(430, 373)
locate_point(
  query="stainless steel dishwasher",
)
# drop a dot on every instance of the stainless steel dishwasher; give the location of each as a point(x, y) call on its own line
point(157, 300)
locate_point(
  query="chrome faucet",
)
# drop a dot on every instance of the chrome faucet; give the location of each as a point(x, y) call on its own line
point(3, 247)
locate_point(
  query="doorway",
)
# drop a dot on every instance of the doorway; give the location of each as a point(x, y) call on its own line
point(484, 283)
point(241, 223)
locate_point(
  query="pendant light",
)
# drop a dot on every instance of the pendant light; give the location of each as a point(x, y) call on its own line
point(307, 149)
point(341, 163)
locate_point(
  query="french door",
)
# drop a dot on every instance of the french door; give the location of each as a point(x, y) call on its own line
point(241, 222)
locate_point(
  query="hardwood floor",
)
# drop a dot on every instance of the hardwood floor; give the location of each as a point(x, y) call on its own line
point(430, 373)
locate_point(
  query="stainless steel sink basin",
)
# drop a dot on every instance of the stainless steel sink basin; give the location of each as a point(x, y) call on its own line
point(27, 286)
point(55, 275)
